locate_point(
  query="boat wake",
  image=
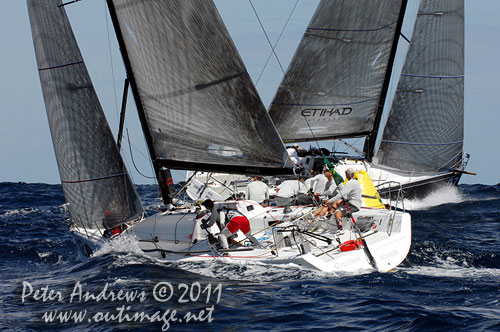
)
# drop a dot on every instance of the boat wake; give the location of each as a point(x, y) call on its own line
point(126, 243)
point(433, 260)
point(450, 270)
point(258, 272)
point(443, 195)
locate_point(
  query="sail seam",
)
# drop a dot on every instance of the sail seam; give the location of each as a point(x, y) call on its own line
point(429, 144)
point(60, 66)
point(345, 40)
point(96, 179)
point(327, 105)
point(197, 87)
point(224, 79)
point(432, 76)
point(354, 30)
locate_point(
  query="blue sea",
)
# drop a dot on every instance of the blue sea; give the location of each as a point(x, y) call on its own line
point(450, 280)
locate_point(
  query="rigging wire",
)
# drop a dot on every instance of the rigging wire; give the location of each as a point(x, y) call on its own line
point(111, 59)
point(277, 41)
point(133, 162)
point(116, 100)
point(283, 71)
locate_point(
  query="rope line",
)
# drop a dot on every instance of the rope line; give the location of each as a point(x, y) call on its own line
point(133, 161)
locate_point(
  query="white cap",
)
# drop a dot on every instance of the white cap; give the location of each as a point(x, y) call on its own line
point(350, 171)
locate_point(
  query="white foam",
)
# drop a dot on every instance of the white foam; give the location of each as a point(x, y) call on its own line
point(443, 195)
point(126, 243)
point(43, 254)
point(23, 212)
point(453, 272)
point(255, 271)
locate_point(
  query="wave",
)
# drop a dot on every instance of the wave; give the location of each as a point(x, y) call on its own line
point(443, 195)
point(453, 271)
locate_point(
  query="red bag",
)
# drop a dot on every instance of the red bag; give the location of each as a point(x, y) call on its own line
point(351, 245)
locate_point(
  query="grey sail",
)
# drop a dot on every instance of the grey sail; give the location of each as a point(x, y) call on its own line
point(333, 85)
point(424, 130)
point(94, 179)
point(200, 108)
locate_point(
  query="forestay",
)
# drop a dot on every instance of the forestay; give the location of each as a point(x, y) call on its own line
point(201, 108)
point(424, 130)
point(94, 179)
point(334, 82)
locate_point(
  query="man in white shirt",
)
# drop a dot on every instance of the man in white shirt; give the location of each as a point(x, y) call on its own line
point(257, 190)
point(288, 190)
point(324, 184)
point(214, 214)
point(292, 152)
point(309, 183)
point(350, 193)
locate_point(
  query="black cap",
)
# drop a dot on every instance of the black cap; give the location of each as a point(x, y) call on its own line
point(208, 203)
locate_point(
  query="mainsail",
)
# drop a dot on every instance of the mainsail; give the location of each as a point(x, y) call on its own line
point(94, 179)
point(198, 106)
point(334, 84)
point(424, 130)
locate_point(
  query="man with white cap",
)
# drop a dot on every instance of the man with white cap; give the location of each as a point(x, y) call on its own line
point(350, 193)
point(292, 152)
point(348, 197)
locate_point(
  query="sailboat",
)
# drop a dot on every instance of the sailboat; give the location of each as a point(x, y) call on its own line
point(199, 111)
point(338, 81)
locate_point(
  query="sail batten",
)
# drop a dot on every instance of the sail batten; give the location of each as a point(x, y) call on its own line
point(94, 179)
point(424, 129)
point(340, 65)
point(197, 100)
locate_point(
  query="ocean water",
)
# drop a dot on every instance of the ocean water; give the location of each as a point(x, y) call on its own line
point(450, 280)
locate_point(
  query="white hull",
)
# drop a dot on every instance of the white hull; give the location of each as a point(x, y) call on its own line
point(389, 181)
point(178, 237)
point(214, 186)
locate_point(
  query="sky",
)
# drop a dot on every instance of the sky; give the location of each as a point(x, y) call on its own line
point(25, 145)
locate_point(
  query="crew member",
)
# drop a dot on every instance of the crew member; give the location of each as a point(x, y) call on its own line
point(214, 214)
point(292, 152)
point(257, 190)
point(288, 190)
point(237, 222)
point(350, 193)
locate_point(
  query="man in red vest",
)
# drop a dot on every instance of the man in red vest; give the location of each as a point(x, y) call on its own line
point(237, 222)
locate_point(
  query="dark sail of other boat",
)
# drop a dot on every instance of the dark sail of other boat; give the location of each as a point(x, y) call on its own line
point(341, 92)
point(94, 179)
point(425, 127)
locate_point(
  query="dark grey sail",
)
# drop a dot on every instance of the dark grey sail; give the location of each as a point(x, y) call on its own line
point(333, 85)
point(94, 179)
point(200, 109)
point(424, 130)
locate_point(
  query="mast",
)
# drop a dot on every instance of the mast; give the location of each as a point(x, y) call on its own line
point(140, 109)
point(371, 139)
